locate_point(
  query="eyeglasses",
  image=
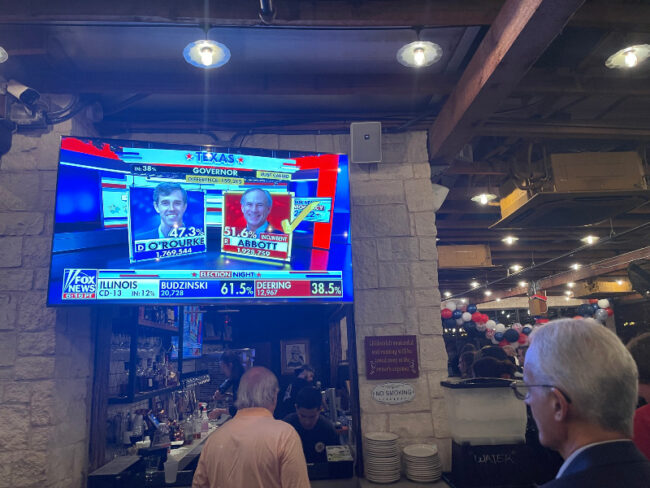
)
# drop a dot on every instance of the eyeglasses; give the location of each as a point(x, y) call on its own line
point(522, 390)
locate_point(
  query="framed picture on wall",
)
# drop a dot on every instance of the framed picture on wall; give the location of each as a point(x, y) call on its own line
point(295, 353)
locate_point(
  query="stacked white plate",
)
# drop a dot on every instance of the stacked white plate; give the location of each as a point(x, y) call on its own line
point(422, 463)
point(383, 464)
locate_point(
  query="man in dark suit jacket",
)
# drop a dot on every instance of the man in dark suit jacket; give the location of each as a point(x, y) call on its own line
point(581, 385)
point(170, 203)
point(256, 205)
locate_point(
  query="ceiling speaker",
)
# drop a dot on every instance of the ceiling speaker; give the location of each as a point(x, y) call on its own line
point(365, 142)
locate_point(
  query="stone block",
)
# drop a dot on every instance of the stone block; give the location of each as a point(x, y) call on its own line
point(33, 315)
point(428, 297)
point(434, 378)
point(31, 469)
point(16, 279)
point(419, 195)
point(408, 425)
point(395, 152)
point(17, 392)
point(422, 170)
point(41, 277)
point(7, 311)
point(428, 249)
point(36, 250)
point(36, 343)
point(46, 202)
point(10, 252)
point(7, 348)
point(444, 449)
point(394, 275)
point(420, 402)
point(6, 464)
point(34, 368)
point(380, 221)
point(47, 180)
point(374, 422)
point(398, 249)
point(424, 223)
point(325, 143)
point(18, 190)
point(305, 142)
point(424, 274)
point(41, 438)
point(429, 320)
point(7, 373)
point(388, 171)
point(379, 330)
point(377, 192)
point(364, 264)
point(379, 307)
point(266, 141)
point(439, 416)
point(15, 426)
point(417, 147)
point(20, 223)
point(433, 355)
point(342, 144)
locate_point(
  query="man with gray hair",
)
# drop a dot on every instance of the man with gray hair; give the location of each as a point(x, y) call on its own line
point(581, 385)
point(253, 450)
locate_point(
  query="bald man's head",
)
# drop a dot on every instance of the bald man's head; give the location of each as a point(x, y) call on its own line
point(258, 388)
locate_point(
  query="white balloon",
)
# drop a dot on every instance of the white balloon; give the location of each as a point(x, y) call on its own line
point(467, 316)
point(500, 328)
point(451, 305)
point(460, 322)
point(491, 324)
point(603, 303)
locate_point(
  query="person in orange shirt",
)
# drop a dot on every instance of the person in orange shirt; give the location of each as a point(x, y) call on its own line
point(253, 450)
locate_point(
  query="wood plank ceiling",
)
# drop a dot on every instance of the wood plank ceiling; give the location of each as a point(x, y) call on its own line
point(519, 79)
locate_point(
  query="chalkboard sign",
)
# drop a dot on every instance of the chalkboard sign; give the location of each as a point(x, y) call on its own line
point(391, 357)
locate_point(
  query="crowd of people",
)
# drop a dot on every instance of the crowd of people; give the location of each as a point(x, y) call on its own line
point(580, 384)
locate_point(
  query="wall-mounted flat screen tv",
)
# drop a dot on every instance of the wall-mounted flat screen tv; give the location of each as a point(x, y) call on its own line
point(152, 223)
point(192, 334)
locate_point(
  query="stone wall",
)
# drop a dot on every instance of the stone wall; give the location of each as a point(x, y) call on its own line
point(45, 354)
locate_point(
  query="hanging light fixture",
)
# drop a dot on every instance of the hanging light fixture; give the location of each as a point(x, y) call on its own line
point(206, 54)
point(419, 54)
point(629, 57)
point(3, 55)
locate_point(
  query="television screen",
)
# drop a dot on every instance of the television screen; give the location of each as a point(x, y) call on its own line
point(192, 334)
point(152, 223)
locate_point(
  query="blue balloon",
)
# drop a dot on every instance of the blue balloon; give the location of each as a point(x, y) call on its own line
point(526, 330)
point(498, 336)
point(471, 308)
point(595, 306)
point(510, 335)
point(449, 323)
point(457, 314)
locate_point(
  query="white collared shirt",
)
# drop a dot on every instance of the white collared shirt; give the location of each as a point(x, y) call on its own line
point(575, 453)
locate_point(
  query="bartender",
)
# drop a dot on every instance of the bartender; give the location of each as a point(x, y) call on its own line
point(315, 431)
point(231, 366)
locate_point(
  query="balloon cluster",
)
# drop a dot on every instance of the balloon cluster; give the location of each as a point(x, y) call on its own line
point(456, 314)
point(597, 309)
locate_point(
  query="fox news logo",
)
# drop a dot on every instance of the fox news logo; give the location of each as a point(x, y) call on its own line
point(79, 283)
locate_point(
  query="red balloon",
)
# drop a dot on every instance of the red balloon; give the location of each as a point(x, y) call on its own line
point(593, 300)
point(610, 311)
point(446, 313)
point(578, 317)
point(542, 321)
point(477, 317)
point(523, 339)
point(485, 317)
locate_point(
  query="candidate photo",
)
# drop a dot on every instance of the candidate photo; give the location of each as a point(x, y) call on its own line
point(256, 211)
point(256, 205)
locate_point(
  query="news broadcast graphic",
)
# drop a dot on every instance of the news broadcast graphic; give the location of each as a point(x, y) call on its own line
point(157, 224)
point(167, 226)
point(192, 334)
point(252, 227)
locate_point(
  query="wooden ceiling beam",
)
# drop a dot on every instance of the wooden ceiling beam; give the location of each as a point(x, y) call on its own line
point(586, 130)
point(520, 33)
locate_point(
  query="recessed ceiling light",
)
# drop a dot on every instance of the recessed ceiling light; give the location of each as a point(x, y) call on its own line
point(488, 293)
point(510, 240)
point(419, 54)
point(567, 298)
point(576, 266)
point(447, 294)
point(589, 239)
point(206, 54)
point(464, 300)
point(484, 198)
point(619, 282)
point(498, 299)
point(522, 284)
point(516, 268)
point(629, 57)
point(570, 284)
point(568, 293)
point(3, 55)
point(474, 284)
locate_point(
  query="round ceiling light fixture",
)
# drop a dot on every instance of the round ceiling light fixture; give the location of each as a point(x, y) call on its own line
point(3, 55)
point(629, 57)
point(484, 198)
point(206, 54)
point(419, 54)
